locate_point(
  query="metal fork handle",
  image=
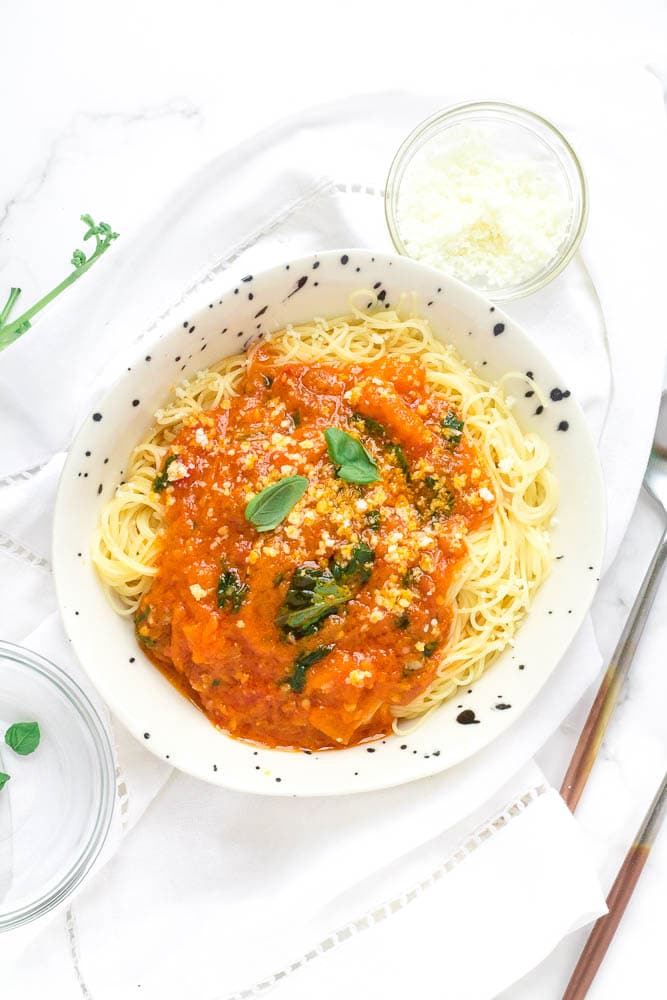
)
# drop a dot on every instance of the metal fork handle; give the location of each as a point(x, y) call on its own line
point(598, 718)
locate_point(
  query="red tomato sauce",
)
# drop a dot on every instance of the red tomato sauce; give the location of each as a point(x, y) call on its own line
point(209, 619)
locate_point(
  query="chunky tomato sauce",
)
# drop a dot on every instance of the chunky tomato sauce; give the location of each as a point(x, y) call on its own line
point(217, 616)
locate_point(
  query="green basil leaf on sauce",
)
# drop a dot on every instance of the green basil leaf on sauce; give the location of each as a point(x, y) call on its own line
point(297, 679)
point(452, 429)
point(23, 737)
point(352, 461)
point(230, 590)
point(271, 505)
point(4, 778)
point(161, 481)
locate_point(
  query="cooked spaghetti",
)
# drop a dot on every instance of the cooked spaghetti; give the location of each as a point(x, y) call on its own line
point(331, 533)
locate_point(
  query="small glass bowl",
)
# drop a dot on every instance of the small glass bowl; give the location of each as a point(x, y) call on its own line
point(56, 809)
point(505, 128)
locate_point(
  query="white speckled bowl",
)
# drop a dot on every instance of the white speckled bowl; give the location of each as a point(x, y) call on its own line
point(227, 320)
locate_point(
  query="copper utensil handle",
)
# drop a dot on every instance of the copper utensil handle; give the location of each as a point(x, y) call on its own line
point(605, 701)
point(604, 929)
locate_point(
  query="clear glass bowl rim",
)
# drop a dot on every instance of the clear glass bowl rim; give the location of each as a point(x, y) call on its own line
point(527, 118)
point(107, 787)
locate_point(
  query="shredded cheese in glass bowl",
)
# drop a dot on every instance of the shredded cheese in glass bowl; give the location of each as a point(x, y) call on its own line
point(492, 194)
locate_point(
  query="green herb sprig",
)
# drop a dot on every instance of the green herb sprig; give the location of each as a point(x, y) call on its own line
point(271, 505)
point(104, 236)
point(352, 461)
point(4, 778)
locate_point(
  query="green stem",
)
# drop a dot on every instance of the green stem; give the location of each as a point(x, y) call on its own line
point(9, 332)
point(44, 301)
point(13, 296)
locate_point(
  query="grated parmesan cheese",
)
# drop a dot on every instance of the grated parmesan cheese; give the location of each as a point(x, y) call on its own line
point(486, 217)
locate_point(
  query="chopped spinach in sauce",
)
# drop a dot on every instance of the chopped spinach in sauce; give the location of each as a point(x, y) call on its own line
point(231, 592)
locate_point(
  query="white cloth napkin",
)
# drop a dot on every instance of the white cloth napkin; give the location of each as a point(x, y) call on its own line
point(215, 892)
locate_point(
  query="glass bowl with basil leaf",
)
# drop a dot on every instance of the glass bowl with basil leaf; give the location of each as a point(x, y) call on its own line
point(57, 785)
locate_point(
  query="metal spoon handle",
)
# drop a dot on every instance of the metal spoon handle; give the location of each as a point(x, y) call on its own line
point(598, 718)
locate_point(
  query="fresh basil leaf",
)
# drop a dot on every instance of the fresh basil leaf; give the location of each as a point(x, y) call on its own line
point(161, 481)
point(352, 461)
point(4, 778)
point(230, 590)
point(23, 737)
point(271, 505)
point(297, 679)
point(452, 428)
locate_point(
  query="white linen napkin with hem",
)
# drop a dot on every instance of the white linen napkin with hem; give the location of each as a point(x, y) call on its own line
point(296, 858)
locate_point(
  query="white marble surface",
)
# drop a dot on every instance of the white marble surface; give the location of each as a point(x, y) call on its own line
point(107, 108)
